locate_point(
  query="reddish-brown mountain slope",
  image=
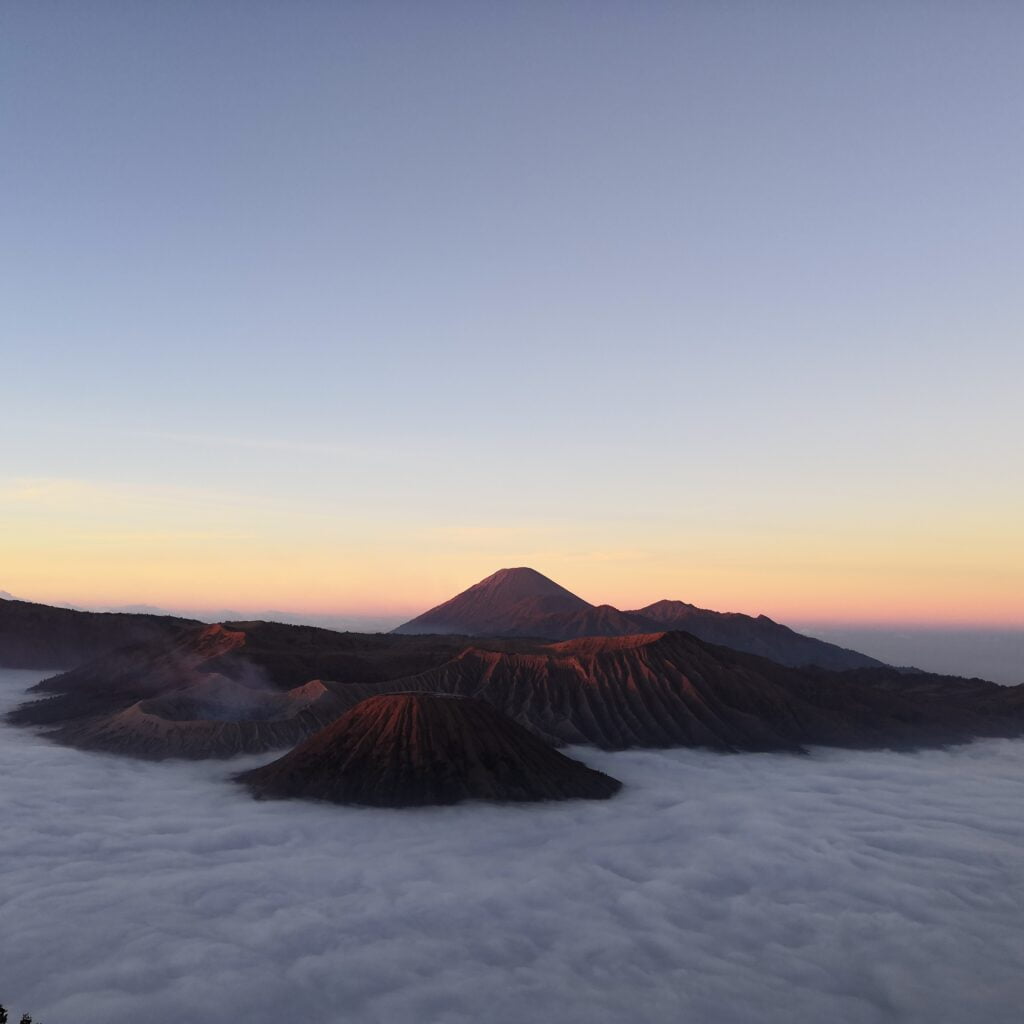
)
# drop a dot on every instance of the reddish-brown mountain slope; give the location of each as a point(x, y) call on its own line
point(224, 690)
point(216, 717)
point(523, 603)
point(413, 749)
point(264, 654)
point(671, 689)
point(498, 606)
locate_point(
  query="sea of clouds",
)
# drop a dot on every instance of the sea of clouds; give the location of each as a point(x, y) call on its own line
point(839, 887)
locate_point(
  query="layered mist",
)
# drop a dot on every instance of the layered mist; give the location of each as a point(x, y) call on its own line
point(842, 886)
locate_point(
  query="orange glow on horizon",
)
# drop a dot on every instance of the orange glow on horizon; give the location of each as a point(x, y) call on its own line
point(83, 544)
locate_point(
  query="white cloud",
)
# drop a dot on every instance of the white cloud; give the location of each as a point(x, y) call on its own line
point(856, 888)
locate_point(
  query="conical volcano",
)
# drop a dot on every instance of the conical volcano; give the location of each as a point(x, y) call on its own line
point(414, 749)
point(498, 605)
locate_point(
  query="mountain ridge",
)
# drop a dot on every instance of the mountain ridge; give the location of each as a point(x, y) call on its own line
point(522, 602)
point(246, 687)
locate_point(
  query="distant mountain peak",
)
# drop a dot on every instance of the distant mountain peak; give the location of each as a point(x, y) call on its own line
point(522, 602)
point(496, 603)
point(524, 580)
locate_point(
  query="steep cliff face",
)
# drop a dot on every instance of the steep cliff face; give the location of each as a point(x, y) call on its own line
point(414, 749)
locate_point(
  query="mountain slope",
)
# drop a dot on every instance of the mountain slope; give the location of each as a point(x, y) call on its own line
point(759, 635)
point(414, 749)
point(219, 690)
point(215, 717)
point(41, 636)
point(671, 689)
point(502, 603)
point(523, 603)
point(595, 620)
point(227, 689)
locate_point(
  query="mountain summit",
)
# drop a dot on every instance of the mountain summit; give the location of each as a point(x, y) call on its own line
point(507, 602)
point(409, 749)
point(523, 603)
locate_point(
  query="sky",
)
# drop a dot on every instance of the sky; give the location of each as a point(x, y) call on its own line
point(861, 887)
point(342, 307)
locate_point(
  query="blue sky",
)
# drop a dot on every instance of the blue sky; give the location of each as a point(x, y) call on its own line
point(399, 293)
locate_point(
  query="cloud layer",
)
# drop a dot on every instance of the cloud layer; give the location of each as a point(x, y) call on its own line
point(849, 887)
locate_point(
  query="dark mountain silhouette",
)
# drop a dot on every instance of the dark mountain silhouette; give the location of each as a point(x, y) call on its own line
point(594, 620)
point(411, 749)
point(498, 606)
point(41, 636)
point(759, 635)
point(523, 603)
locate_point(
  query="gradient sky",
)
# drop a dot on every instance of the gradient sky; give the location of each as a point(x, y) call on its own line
point(343, 306)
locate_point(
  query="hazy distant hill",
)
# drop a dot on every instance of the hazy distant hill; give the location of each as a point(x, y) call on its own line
point(521, 602)
point(759, 635)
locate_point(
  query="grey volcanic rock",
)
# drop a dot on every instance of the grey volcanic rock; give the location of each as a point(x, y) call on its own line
point(412, 749)
point(504, 604)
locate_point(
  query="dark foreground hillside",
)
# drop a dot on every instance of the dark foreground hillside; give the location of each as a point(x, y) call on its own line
point(41, 636)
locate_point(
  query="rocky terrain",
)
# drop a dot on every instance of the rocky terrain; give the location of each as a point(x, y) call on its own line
point(412, 749)
point(523, 603)
point(671, 689)
point(248, 687)
point(216, 691)
point(216, 717)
